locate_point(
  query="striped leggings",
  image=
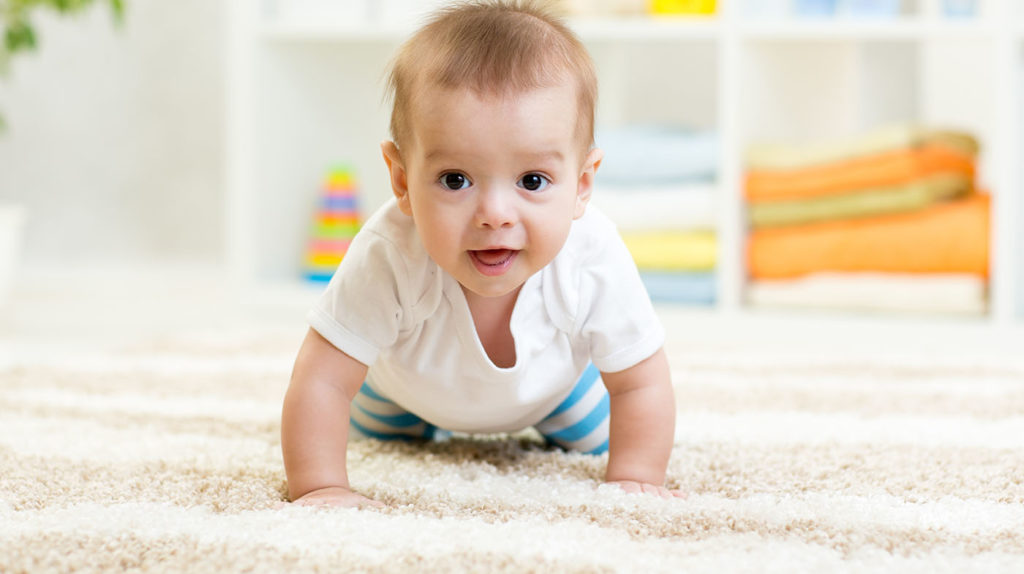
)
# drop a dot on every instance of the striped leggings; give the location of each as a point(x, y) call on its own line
point(580, 423)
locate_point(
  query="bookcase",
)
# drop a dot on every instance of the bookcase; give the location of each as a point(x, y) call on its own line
point(304, 94)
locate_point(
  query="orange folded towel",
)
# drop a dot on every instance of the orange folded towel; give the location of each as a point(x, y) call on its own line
point(885, 169)
point(950, 237)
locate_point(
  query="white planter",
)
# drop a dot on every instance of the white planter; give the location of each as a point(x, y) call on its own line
point(12, 227)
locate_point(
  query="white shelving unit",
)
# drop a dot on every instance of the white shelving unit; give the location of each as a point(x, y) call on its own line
point(302, 96)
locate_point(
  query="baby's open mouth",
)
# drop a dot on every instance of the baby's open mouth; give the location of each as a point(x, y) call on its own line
point(493, 262)
point(493, 257)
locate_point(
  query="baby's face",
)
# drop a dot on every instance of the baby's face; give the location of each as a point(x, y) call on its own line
point(493, 184)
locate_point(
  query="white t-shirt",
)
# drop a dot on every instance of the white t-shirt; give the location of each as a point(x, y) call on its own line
point(389, 306)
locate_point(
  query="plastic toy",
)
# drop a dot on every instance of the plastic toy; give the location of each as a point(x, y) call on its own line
point(335, 223)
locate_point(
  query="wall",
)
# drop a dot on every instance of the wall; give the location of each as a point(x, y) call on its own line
point(115, 136)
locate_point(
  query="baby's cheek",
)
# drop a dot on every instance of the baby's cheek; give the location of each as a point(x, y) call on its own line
point(437, 241)
point(549, 240)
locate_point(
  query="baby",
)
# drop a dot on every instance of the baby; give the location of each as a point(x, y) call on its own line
point(484, 297)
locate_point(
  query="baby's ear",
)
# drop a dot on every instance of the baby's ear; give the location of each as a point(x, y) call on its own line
point(399, 179)
point(585, 187)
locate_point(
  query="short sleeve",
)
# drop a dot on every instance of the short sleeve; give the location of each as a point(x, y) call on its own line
point(615, 313)
point(361, 311)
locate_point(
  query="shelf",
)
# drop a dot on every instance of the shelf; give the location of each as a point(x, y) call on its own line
point(751, 80)
point(641, 28)
point(676, 29)
point(329, 32)
point(598, 29)
point(846, 30)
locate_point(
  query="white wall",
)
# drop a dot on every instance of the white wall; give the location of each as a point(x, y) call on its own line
point(115, 136)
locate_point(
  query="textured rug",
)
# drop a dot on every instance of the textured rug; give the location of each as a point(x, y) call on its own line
point(165, 456)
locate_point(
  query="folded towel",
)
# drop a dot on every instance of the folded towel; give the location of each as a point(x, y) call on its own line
point(678, 207)
point(942, 293)
point(680, 287)
point(885, 169)
point(873, 8)
point(672, 251)
point(656, 154)
point(884, 139)
point(949, 237)
point(898, 199)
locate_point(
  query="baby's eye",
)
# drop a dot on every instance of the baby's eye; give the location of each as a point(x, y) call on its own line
point(534, 182)
point(454, 181)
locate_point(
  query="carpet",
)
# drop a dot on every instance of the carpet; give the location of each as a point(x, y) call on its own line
point(164, 456)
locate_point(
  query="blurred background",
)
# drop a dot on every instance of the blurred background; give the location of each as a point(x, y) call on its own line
point(834, 158)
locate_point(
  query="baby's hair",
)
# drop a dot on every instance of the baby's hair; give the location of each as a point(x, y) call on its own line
point(494, 47)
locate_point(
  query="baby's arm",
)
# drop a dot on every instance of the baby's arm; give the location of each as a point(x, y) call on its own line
point(642, 426)
point(314, 424)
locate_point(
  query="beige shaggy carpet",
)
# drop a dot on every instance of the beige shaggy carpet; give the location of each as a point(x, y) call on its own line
point(165, 456)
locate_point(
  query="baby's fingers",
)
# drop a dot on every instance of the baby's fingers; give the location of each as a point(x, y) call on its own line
point(345, 502)
point(633, 487)
point(371, 503)
point(629, 486)
point(337, 496)
point(655, 490)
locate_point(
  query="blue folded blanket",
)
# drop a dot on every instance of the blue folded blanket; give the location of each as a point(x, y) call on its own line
point(680, 287)
point(874, 8)
point(641, 154)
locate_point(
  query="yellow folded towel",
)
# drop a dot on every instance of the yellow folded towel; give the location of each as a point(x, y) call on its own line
point(879, 140)
point(673, 251)
point(898, 199)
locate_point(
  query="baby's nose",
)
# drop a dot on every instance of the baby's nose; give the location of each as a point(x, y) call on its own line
point(496, 208)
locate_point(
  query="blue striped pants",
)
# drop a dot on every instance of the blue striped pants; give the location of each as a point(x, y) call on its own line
point(579, 423)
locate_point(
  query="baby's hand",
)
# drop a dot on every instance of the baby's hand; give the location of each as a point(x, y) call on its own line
point(633, 487)
point(336, 496)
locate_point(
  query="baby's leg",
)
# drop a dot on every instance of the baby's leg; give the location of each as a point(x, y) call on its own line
point(375, 416)
point(581, 422)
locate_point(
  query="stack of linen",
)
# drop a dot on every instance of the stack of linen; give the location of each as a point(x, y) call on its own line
point(658, 185)
point(888, 220)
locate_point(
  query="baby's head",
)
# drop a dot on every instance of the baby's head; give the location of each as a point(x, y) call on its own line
point(496, 48)
point(493, 128)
